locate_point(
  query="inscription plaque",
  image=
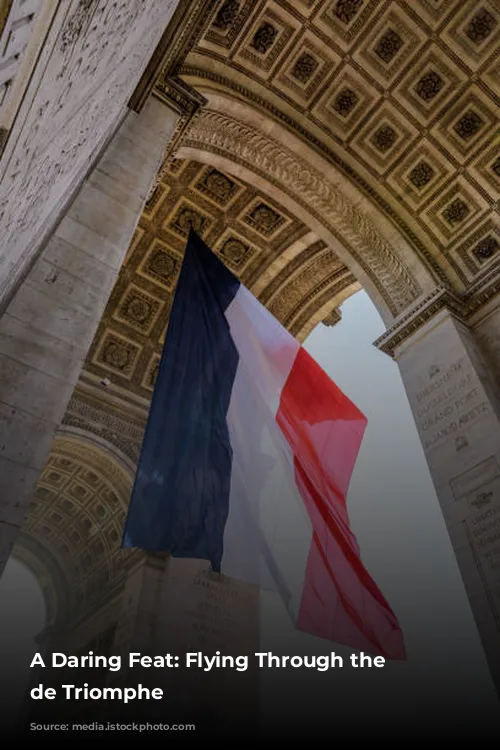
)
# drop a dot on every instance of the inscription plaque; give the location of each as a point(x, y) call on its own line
point(452, 401)
point(478, 491)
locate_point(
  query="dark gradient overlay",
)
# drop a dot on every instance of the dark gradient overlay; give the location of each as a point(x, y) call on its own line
point(424, 698)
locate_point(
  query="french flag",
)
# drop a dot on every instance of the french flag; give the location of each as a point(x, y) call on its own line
point(246, 461)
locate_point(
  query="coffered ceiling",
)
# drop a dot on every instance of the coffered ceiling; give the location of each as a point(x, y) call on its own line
point(75, 524)
point(293, 273)
point(402, 96)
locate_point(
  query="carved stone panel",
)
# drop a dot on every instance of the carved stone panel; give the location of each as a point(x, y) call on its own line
point(91, 71)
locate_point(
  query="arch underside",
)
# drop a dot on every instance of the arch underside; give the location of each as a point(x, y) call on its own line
point(311, 193)
point(397, 100)
point(341, 145)
point(71, 537)
point(295, 273)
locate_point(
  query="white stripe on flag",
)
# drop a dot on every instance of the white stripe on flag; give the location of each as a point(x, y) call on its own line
point(266, 510)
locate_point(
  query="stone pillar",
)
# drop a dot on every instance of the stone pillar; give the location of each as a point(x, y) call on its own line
point(178, 607)
point(49, 325)
point(456, 406)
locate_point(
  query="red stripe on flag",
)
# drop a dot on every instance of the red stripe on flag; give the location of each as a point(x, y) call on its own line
point(324, 429)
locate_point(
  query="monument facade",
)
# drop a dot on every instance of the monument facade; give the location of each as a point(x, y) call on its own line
point(319, 147)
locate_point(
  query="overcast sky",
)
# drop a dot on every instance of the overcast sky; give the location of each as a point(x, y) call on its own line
point(396, 517)
point(404, 544)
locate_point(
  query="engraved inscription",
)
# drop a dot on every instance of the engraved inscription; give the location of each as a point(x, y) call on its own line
point(478, 491)
point(450, 402)
point(484, 537)
point(212, 610)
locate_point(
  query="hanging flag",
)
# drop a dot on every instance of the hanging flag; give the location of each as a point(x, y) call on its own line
point(247, 458)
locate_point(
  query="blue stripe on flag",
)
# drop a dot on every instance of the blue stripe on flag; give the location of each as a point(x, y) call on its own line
point(180, 499)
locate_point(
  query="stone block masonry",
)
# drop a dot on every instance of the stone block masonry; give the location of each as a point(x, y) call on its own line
point(50, 323)
point(90, 64)
point(454, 400)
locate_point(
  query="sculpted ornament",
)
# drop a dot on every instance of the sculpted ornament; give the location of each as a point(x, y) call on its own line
point(89, 77)
point(125, 435)
point(227, 15)
point(221, 134)
point(76, 23)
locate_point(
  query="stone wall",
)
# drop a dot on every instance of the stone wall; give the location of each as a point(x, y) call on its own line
point(177, 606)
point(92, 60)
point(17, 24)
point(456, 407)
point(49, 325)
point(487, 331)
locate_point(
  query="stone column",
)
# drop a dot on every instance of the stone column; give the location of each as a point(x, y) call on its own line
point(456, 406)
point(49, 325)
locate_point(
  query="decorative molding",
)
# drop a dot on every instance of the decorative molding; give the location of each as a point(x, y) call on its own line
point(297, 127)
point(184, 100)
point(401, 98)
point(216, 132)
point(76, 520)
point(181, 35)
point(181, 97)
point(413, 319)
point(71, 108)
point(334, 317)
point(102, 419)
point(253, 233)
point(324, 294)
point(463, 307)
point(282, 278)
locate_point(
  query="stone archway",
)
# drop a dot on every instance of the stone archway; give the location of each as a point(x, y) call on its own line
point(238, 139)
point(365, 128)
point(399, 97)
point(438, 330)
point(230, 160)
point(72, 534)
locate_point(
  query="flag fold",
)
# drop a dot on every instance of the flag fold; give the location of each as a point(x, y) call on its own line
point(247, 458)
